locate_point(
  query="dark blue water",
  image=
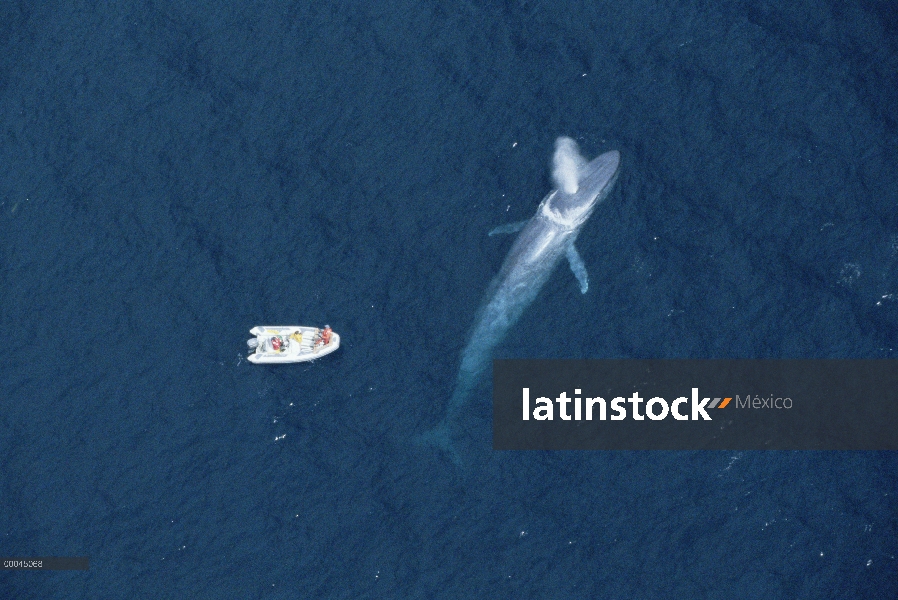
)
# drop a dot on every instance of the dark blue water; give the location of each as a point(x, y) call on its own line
point(172, 174)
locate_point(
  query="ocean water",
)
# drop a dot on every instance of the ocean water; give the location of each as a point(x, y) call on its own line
point(173, 174)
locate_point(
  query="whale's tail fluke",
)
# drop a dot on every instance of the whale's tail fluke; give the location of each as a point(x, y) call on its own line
point(441, 437)
point(567, 164)
point(475, 360)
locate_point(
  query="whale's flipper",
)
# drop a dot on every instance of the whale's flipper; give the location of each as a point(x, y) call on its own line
point(510, 228)
point(578, 267)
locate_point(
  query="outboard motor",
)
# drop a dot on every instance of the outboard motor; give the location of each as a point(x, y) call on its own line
point(252, 343)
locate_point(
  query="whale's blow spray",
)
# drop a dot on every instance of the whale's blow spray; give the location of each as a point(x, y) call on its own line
point(567, 165)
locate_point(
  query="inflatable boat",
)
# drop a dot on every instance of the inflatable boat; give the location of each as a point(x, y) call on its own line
point(290, 343)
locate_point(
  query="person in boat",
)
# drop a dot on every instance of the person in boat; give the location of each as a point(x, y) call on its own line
point(326, 335)
point(297, 336)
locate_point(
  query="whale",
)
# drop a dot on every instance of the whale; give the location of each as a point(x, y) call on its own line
point(543, 241)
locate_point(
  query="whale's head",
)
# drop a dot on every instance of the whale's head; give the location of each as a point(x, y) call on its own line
point(594, 182)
